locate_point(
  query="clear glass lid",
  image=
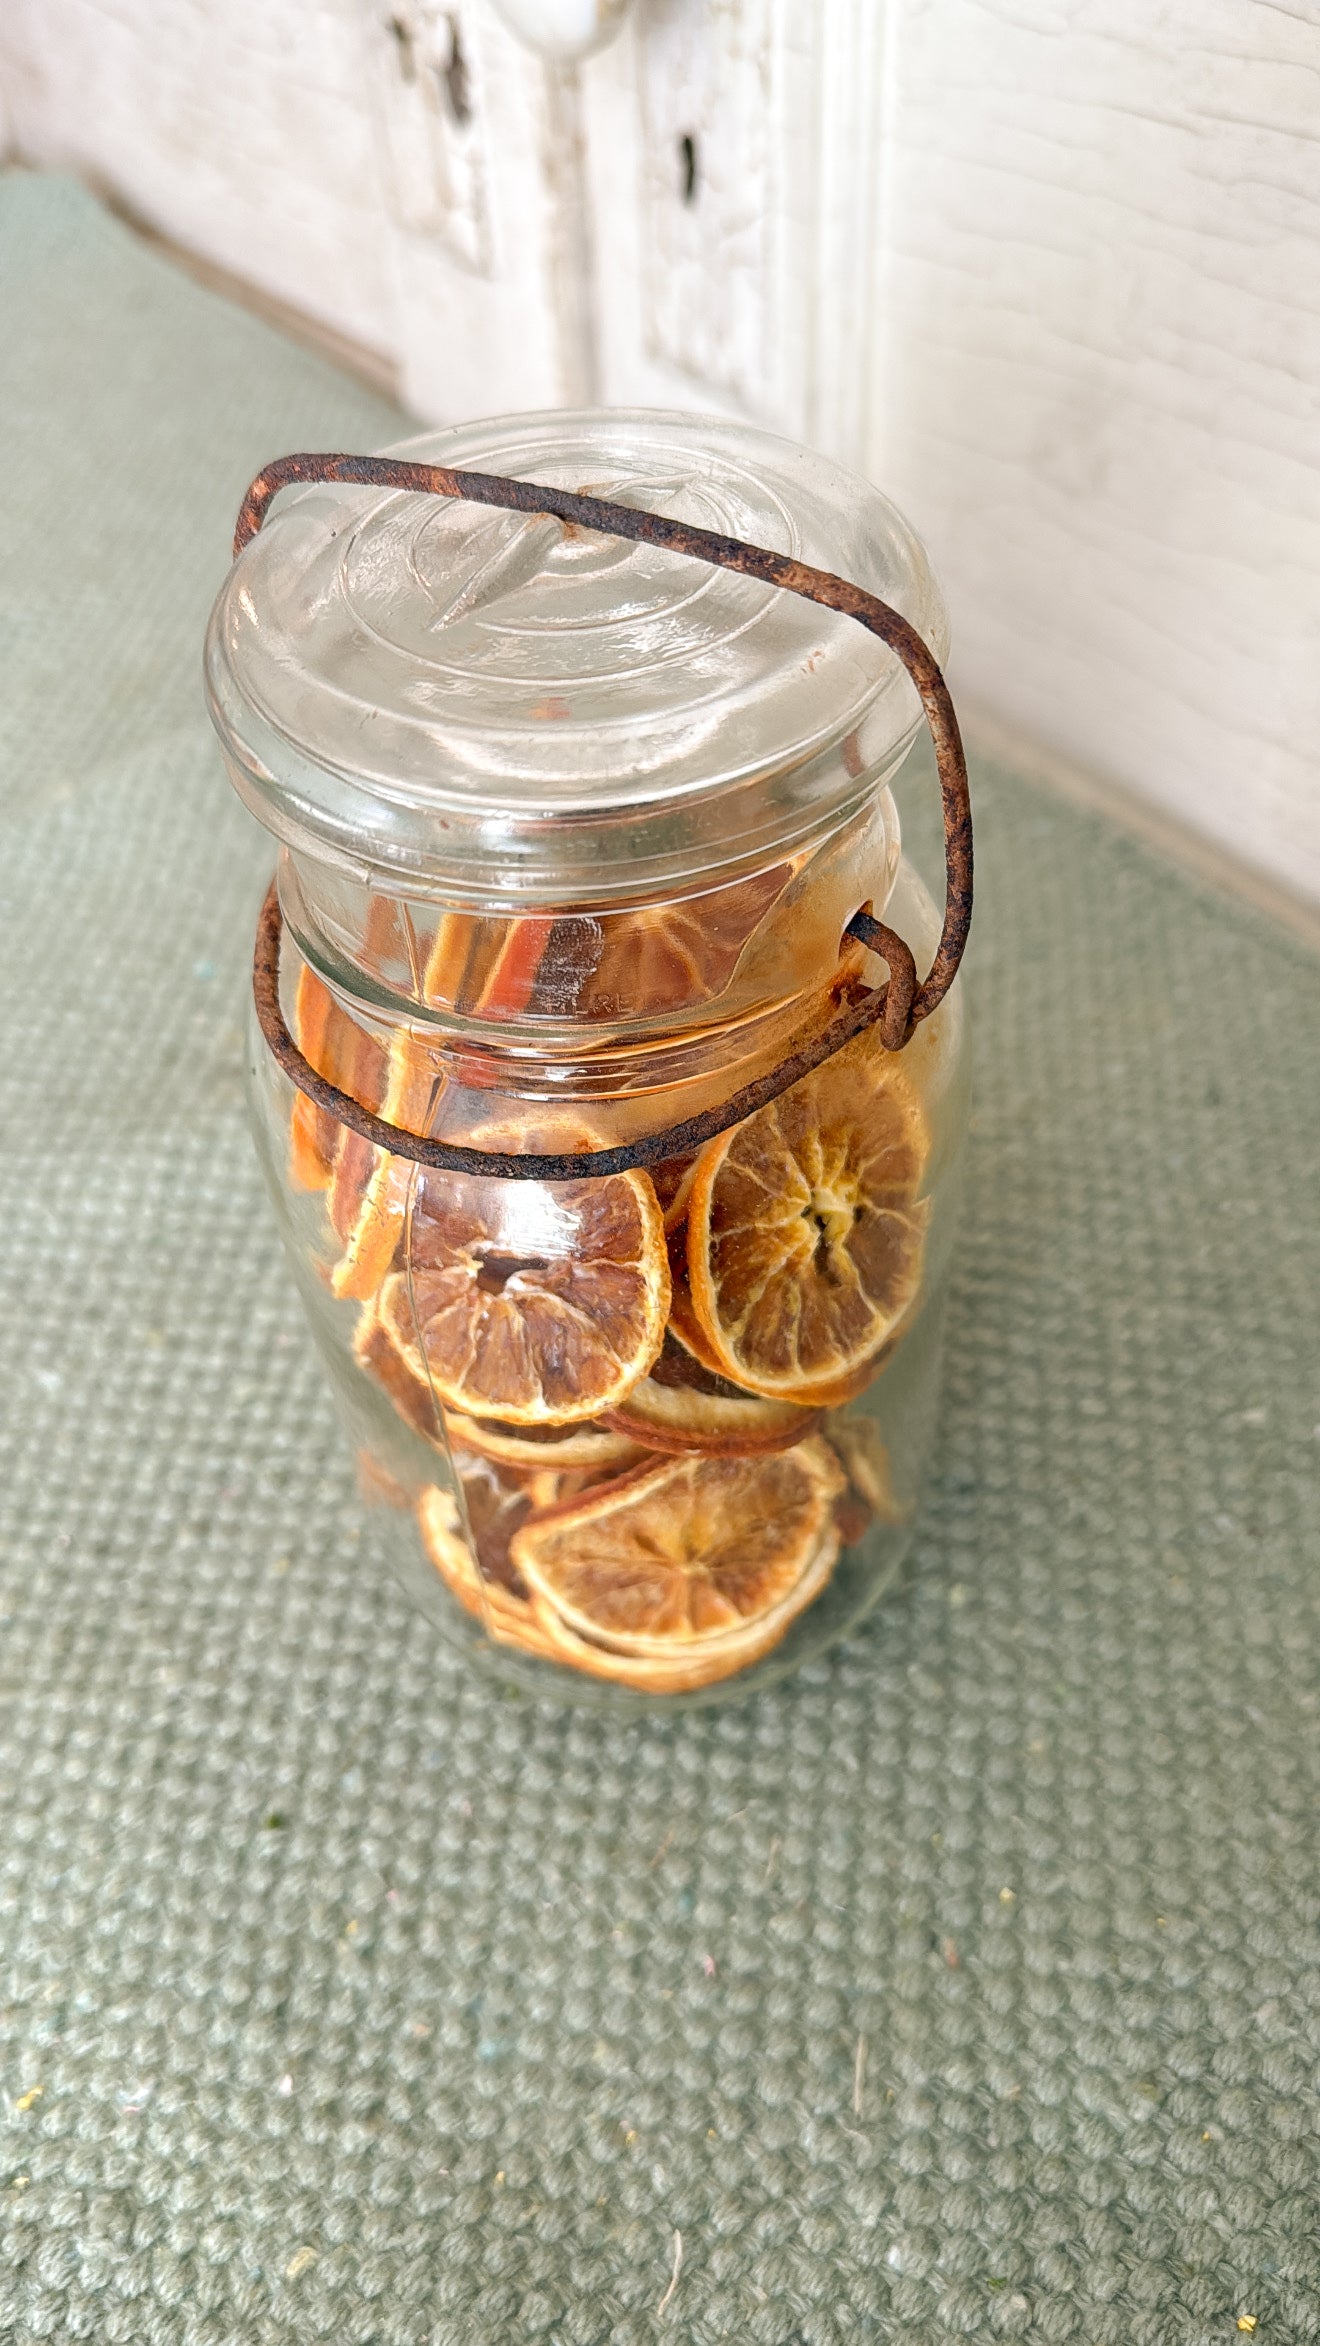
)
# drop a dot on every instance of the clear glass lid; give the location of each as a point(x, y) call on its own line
point(500, 709)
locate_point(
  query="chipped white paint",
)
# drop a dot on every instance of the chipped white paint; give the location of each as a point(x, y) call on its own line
point(708, 182)
point(433, 117)
point(511, 331)
point(1047, 268)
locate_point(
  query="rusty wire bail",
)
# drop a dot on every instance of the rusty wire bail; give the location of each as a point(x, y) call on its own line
point(895, 1008)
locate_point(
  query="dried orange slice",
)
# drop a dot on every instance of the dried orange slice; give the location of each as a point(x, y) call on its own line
point(486, 967)
point(482, 1572)
point(543, 1454)
point(673, 1187)
point(373, 1234)
point(805, 1233)
point(496, 1504)
point(681, 1406)
point(686, 1329)
point(471, 1550)
point(697, 1551)
point(440, 1522)
point(550, 1485)
point(670, 956)
point(503, 1612)
point(369, 1193)
point(510, 982)
point(369, 1197)
point(376, 1351)
point(678, 1418)
point(590, 1449)
point(685, 1669)
point(510, 1620)
point(870, 1498)
point(537, 1303)
point(347, 1056)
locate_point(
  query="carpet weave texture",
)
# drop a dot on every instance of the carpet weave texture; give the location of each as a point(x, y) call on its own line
point(967, 1986)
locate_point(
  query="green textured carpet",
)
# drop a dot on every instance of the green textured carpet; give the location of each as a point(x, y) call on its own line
point(343, 1998)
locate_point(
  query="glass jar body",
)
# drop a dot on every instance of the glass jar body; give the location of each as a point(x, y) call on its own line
point(651, 1440)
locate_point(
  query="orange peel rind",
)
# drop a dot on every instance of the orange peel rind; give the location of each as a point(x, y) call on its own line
point(679, 1419)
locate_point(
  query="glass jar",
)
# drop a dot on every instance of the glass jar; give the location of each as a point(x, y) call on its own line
point(573, 830)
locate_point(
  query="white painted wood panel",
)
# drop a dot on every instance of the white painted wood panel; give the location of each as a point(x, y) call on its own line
point(339, 156)
point(733, 156)
point(488, 308)
point(1101, 370)
point(243, 131)
point(1046, 268)
point(436, 129)
point(711, 69)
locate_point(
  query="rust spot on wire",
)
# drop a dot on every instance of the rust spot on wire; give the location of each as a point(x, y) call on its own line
point(896, 1008)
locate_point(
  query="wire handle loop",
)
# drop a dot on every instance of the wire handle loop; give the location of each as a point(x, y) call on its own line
point(896, 1008)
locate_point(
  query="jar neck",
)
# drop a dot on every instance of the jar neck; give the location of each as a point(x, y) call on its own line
point(608, 988)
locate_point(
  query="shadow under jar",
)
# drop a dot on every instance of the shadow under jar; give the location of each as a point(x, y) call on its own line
point(573, 829)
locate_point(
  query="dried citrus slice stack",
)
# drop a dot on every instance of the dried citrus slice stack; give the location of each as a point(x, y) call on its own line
point(471, 1549)
point(630, 1373)
point(686, 1669)
point(805, 1232)
point(531, 1302)
point(667, 1579)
